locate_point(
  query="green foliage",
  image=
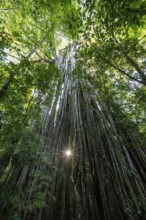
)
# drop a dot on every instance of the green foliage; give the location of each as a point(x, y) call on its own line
point(107, 32)
point(136, 4)
point(111, 31)
point(28, 150)
point(38, 201)
point(17, 201)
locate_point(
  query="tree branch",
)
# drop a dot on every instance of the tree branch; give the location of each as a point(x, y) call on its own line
point(121, 71)
point(136, 43)
point(12, 74)
point(35, 48)
point(129, 59)
point(9, 54)
point(44, 61)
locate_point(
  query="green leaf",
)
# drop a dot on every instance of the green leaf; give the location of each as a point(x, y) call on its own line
point(136, 4)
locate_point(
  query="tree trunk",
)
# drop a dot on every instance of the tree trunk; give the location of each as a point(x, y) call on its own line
point(102, 179)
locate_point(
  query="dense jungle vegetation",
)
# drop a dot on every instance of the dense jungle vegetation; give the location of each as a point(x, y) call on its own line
point(72, 109)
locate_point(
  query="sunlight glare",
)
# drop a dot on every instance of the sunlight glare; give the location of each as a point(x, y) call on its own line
point(68, 153)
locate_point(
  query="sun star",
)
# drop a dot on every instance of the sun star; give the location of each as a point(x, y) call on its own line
point(68, 153)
